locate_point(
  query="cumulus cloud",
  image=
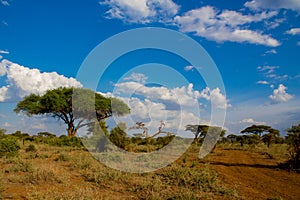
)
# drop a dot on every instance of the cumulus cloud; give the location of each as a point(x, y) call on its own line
point(274, 4)
point(185, 95)
point(280, 95)
point(22, 81)
point(216, 97)
point(151, 113)
point(141, 11)
point(294, 31)
point(224, 26)
point(136, 77)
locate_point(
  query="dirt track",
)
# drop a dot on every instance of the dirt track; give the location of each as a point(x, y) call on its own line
point(255, 176)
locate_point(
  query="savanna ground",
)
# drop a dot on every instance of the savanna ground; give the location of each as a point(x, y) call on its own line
point(230, 172)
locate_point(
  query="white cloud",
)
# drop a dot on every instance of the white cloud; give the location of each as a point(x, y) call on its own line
point(4, 52)
point(298, 43)
point(272, 51)
point(141, 11)
point(269, 72)
point(274, 23)
point(267, 69)
point(251, 121)
point(22, 81)
point(280, 95)
point(234, 18)
point(216, 97)
point(184, 96)
point(274, 4)
point(209, 23)
point(151, 113)
point(294, 31)
point(189, 68)
point(5, 3)
point(136, 77)
point(3, 93)
point(262, 82)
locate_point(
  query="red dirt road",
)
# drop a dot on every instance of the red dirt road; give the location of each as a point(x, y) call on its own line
point(254, 176)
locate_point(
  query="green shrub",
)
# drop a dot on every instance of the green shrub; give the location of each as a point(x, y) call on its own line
point(30, 148)
point(21, 166)
point(293, 139)
point(9, 147)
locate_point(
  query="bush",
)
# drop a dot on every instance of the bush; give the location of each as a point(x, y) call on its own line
point(293, 139)
point(9, 147)
point(30, 148)
point(62, 157)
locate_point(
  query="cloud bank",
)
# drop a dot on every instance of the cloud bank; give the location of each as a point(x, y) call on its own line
point(22, 81)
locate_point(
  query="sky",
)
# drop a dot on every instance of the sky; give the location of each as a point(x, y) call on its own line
point(254, 46)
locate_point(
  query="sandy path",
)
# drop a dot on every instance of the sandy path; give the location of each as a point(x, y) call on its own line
point(255, 176)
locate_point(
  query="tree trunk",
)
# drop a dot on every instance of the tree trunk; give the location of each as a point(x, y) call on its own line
point(71, 130)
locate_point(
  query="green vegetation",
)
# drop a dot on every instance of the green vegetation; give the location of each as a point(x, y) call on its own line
point(9, 147)
point(30, 148)
point(58, 103)
point(62, 162)
point(200, 131)
point(293, 139)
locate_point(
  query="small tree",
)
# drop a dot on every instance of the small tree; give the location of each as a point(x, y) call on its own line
point(58, 103)
point(293, 139)
point(271, 137)
point(200, 131)
point(232, 138)
point(118, 136)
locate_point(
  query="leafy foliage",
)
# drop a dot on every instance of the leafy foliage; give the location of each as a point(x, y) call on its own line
point(9, 147)
point(118, 136)
point(256, 129)
point(200, 131)
point(293, 139)
point(59, 103)
point(30, 148)
point(272, 137)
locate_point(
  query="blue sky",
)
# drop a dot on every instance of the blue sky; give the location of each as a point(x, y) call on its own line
point(254, 43)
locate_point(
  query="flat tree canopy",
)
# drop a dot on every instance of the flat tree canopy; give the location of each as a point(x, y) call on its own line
point(257, 129)
point(200, 131)
point(75, 107)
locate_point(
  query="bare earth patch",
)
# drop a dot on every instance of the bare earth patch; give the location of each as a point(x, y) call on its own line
point(255, 176)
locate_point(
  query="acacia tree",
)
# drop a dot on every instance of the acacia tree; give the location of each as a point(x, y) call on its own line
point(271, 137)
point(256, 129)
point(200, 131)
point(59, 103)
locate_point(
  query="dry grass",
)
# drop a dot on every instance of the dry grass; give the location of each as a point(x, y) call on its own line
point(70, 173)
point(275, 151)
